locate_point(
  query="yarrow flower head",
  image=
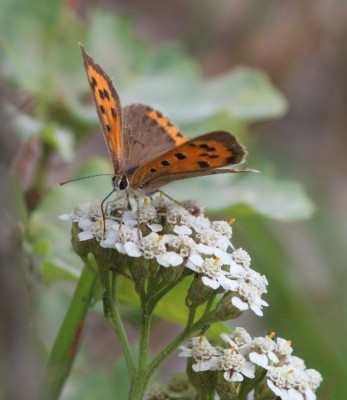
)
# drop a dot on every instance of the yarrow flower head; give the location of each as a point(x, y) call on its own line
point(174, 237)
point(243, 356)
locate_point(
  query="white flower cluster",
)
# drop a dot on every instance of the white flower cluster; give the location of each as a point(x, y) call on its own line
point(286, 375)
point(173, 236)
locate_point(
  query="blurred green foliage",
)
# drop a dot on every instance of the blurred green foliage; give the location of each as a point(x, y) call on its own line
point(42, 59)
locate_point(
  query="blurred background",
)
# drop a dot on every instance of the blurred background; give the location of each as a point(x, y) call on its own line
point(272, 72)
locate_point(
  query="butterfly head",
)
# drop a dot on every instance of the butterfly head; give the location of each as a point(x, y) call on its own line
point(120, 182)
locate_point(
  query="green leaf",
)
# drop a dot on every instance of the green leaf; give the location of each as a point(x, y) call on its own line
point(52, 273)
point(252, 193)
point(49, 236)
point(171, 307)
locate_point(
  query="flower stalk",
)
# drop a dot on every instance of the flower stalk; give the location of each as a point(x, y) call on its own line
point(65, 346)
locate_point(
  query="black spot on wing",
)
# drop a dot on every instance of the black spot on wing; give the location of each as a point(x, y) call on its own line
point(180, 156)
point(231, 159)
point(107, 96)
point(165, 163)
point(101, 94)
point(203, 164)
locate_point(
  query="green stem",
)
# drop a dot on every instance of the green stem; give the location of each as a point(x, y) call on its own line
point(139, 384)
point(184, 335)
point(61, 357)
point(113, 317)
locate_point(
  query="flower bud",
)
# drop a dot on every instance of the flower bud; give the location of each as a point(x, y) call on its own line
point(198, 292)
point(203, 381)
point(225, 390)
point(225, 309)
point(171, 274)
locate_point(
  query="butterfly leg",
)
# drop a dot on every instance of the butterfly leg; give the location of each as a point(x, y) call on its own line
point(172, 199)
point(102, 211)
point(138, 216)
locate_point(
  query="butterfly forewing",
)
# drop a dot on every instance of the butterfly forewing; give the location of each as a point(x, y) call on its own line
point(197, 157)
point(147, 134)
point(108, 108)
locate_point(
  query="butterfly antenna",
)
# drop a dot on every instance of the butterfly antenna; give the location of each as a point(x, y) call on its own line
point(83, 177)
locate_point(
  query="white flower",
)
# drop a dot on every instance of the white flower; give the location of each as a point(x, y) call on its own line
point(283, 349)
point(209, 237)
point(249, 297)
point(177, 215)
point(147, 213)
point(289, 383)
point(205, 355)
point(152, 245)
point(182, 243)
point(155, 227)
point(238, 338)
point(242, 258)
point(261, 351)
point(314, 378)
point(182, 230)
point(235, 366)
point(223, 228)
point(170, 259)
point(214, 276)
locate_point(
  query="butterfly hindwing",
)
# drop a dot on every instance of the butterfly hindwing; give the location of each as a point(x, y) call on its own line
point(108, 108)
point(147, 135)
point(197, 157)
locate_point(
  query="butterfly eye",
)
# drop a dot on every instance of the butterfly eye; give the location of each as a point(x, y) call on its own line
point(123, 183)
point(120, 182)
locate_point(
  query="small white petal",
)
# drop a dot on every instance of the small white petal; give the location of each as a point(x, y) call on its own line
point(233, 376)
point(107, 243)
point(170, 259)
point(186, 352)
point(248, 369)
point(203, 248)
point(182, 230)
point(276, 390)
point(132, 249)
point(259, 359)
point(85, 235)
point(309, 394)
point(224, 256)
point(256, 309)
point(212, 283)
point(273, 357)
point(236, 269)
point(196, 259)
point(238, 303)
point(209, 365)
point(65, 217)
point(120, 248)
point(155, 227)
point(228, 284)
point(294, 395)
point(85, 224)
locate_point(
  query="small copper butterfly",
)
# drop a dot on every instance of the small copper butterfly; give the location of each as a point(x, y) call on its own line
point(146, 150)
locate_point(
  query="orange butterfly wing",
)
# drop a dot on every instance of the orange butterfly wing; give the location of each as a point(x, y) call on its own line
point(197, 157)
point(108, 107)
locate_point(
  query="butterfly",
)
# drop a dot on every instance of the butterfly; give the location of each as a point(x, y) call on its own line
point(146, 150)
